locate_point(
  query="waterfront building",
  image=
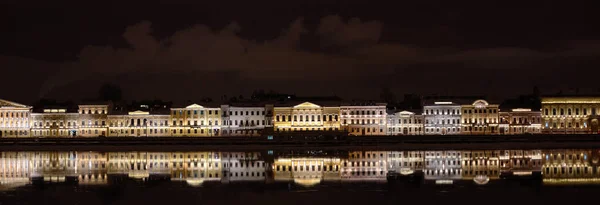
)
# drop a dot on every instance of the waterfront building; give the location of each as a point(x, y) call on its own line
point(364, 118)
point(195, 120)
point(245, 121)
point(570, 115)
point(405, 123)
point(480, 117)
point(14, 119)
point(93, 119)
point(520, 121)
point(306, 117)
point(442, 118)
point(138, 124)
point(370, 165)
point(54, 123)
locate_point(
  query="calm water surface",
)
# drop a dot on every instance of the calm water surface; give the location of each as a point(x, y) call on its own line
point(300, 177)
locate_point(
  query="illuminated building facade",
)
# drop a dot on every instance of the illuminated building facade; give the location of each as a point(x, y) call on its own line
point(245, 121)
point(480, 118)
point(442, 118)
point(570, 115)
point(195, 120)
point(14, 119)
point(138, 124)
point(364, 119)
point(306, 117)
point(93, 119)
point(520, 121)
point(405, 123)
point(54, 123)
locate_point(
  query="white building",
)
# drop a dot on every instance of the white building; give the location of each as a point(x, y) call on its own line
point(364, 119)
point(244, 121)
point(405, 123)
point(54, 123)
point(14, 119)
point(442, 118)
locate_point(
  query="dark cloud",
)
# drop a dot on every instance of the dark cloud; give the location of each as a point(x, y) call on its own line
point(200, 60)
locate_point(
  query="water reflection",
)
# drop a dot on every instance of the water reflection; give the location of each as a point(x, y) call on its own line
point(305, 168)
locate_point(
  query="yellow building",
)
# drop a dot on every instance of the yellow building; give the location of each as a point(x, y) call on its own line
point(14, 119)
point(567, 115)
point(138, 124)
point(520, 121)
point(195, 120)
point(54, 123)
point(93, 120)
point(307, 117)
point(480, 118)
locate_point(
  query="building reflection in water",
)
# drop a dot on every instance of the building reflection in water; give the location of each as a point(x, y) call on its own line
point(556, 167)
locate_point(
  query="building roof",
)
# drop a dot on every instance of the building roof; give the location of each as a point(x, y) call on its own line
point(6, 103)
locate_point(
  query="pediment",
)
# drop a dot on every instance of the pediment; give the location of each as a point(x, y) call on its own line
point(194, 106)
point(307, 105)
point(138, 112)
point(480, 103)
point(6, 103)
point(405, 113)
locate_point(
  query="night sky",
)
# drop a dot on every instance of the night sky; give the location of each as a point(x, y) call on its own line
point(186, 50)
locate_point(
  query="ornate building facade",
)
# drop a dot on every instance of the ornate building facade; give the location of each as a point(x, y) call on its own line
point(404, 123)
point(54, 123)
point(520, 121)
point(15, 119)
point(138, 124)
point(442, 118)
point(570, 115)
point(364, 119)
point(195, 120)
point(306, 117)
point(479, 118)
point(93, 119)
point(238, 121)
